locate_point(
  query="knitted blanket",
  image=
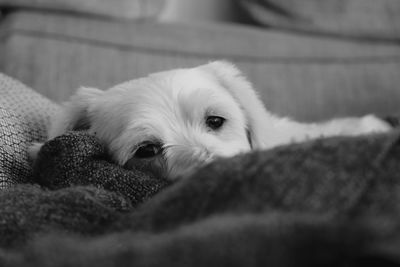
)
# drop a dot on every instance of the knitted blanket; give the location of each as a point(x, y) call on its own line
point(328, 202)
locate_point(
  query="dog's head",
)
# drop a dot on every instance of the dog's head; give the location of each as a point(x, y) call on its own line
point(172, 121)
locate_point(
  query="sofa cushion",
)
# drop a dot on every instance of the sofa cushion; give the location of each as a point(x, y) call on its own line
point(24, 115)
point(124, 9)
point(378, 19)
point(306, 77)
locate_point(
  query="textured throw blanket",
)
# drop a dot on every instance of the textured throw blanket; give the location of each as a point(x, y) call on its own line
point(331, 202)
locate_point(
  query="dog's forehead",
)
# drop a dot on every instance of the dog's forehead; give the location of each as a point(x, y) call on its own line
point(179, 87)
point(177, 96)
point(193, 88)
point(171, 83)
point(187, 81)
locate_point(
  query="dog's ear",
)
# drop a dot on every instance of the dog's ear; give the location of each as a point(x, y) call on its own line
point(75, 114)
point(241, 89)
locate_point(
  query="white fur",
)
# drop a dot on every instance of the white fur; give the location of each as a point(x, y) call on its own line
point(170, 107)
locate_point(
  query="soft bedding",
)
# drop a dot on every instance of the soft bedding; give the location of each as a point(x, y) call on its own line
point(328, 202)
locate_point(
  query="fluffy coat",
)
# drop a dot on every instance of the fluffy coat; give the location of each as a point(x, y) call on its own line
point(166, 113)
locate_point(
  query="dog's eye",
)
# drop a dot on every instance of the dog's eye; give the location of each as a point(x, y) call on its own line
point(148, 150)
point(215, 122)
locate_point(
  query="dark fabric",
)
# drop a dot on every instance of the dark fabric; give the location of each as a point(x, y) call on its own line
point(92, 192)
point(27, 210)
point(256, 240)
point(342, 176)
point(331, 202)
point(77, 158)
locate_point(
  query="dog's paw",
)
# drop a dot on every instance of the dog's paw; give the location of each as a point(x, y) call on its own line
point(33, 151)
point(373, 124)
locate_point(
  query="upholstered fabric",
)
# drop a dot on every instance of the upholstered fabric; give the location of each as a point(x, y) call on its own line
point(24, 115)
point(120, 9)
point(377, 19)
point(305, 77)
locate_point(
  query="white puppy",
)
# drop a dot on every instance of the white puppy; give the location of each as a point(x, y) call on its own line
point(173, 121)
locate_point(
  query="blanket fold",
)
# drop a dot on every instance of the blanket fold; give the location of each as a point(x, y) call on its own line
point(328, 202)
point(277, 239)
point(77, 158)
point(341, 176)
point(28, 210)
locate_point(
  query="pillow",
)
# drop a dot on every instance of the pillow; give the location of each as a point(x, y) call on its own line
point(125, 9)
point(24, 115)
point(357, 18)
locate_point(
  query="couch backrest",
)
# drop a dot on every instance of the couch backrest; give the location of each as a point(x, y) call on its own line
point(302, 76)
